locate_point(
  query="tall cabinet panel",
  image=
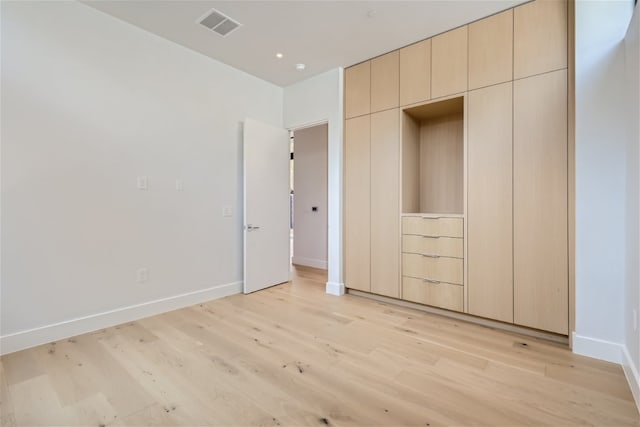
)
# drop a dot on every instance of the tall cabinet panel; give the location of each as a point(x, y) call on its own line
point(540, 202)
point(489, 203)
point(385, 203)
point(357, 90)
point(385, 82)
point(357, 172)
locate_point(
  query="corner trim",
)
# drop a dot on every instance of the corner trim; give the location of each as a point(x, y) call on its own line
point(44, 334)
point(598, 349)
point(631, 372)
point(334, 288)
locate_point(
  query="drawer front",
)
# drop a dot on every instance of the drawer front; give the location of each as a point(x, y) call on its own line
point(443, 246)
point(440, 269)
point(444, 226)
point(443, 295)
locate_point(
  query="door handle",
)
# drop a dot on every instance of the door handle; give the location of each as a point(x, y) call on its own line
point(250, 227)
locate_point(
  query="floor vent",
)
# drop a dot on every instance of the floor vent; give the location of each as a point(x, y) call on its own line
point(219, 23)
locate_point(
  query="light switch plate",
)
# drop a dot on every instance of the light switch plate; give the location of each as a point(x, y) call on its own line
point(226, 210)
point(142, 183)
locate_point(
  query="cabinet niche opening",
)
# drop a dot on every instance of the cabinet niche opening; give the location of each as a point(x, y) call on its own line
point(433, 157)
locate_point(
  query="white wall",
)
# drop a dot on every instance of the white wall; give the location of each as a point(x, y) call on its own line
point(88, 104)
point(632, 291)
point(601, 143)
point(310, 186)
point(316, 100)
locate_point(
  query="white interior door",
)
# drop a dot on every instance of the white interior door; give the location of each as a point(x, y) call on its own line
point(266, 205)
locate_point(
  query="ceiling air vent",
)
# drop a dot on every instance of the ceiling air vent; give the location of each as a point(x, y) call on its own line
point(218, 22)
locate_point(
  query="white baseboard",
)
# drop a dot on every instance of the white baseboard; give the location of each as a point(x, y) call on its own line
point(69, 328)
point(597, 348)
point(309, 262)
point(632, 374)
point(334, 288)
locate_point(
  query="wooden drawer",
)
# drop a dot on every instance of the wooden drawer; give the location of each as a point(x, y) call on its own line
point(443, 295)
point(434, 268)
point(443, 246)
point(437, 226)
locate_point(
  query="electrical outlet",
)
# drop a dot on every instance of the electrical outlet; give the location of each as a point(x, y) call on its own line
point(635, 320)
point(226, 210)
point(179, 185)
point(142, 275)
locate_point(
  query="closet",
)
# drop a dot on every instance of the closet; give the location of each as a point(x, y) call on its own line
point(456, 170)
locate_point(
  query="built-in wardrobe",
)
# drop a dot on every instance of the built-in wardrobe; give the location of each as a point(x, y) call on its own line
point(457, 166)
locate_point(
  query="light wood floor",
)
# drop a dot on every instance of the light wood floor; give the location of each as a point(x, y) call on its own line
point(292, 355)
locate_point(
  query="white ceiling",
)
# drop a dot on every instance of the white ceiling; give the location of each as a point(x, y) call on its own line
point(321, 34)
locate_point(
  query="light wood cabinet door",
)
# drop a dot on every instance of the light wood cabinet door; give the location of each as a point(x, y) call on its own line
point(415, 73)
point(539, 37)
point(357, 205)
point(449, 63)
point(490, 203)
point(385, 203)
point(385, 81)
point(491, 50)
point(357, 90)
point(540, 202)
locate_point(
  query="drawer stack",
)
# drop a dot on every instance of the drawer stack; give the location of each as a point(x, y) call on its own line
point(433, 261)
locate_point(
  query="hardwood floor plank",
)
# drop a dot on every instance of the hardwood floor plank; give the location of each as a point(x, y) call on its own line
point(292, 355)
point(7, 416)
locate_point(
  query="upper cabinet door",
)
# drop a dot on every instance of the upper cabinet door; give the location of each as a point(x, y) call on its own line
point(415, 73)
point(385, 81)
point(541, 271)
point(449, 63)
point(357, 90)
point(491, 50)
point(540, 37)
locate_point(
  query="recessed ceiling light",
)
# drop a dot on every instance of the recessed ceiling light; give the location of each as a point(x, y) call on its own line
point(371, 13)
point(279, 55)
point(300, 67)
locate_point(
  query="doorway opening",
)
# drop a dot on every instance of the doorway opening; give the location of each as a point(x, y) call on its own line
point(308, 184)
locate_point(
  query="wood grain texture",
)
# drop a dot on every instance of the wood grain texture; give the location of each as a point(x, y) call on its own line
point(491, 50)
point(443, 295)
point(442, 165)
point(385, 203)
point(540, 202)
point(490, 203)
point(449, 63)
point(385, 81)
point(357, 90)
point(357, 203)
point(571, 151)
point(539, 37)
point(415, 73)
point(444, 246)
point(439, 269)
point(293, 355)
point(410, 164)
point(432, 226)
